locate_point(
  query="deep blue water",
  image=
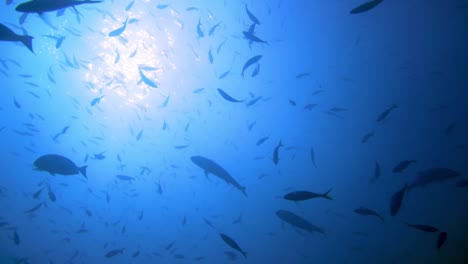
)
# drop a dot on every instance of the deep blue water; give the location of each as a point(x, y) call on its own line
point(324, 79)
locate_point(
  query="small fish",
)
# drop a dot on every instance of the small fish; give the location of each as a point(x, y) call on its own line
point(146, 80)
point(199, 30)
point(365, 7)
point(309, 106)
point(276, 153)
point(165, 102)
point(424, 228)
point(125, 178)
point(198, 90)
point(306, 195)
point(377, 172)
point(208, 222)
point(16, 238)
point(441, 239)
point(292, 102)
point(232, 244)
point(250, 62)
point(367, 136)
point(114, 252)
point(169, 246)
point(227, 97)
point(253, 101)
point(210, 56)
point(302, 75)
point(261, 140)
point(51, 195)
point(118, 31)
point(400, 167)
point(96, 100)
point(37, 193)
point(397, 200)
point(368, 212)
point(224, 74)
point(129, 6)
point(17, 105)
point(251, 16)
point(138, 137)
point(33, 209)
point(213, 28)
point(382, 116)
point(161, 6)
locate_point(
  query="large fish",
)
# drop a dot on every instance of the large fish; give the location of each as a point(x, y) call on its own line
point(433, 175)
point(306, 195)
point(212, 167)
point(368, 212)
point(7, 34)
point(298, 221)
point(56, 164)
point(41, 6)
point(232, 244)
point(365, 7)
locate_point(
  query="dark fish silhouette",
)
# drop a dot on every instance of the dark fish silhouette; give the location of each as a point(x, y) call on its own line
point(368, 212)
point(424, 228)
point(441, 239)
point(232, 244)
point(433, 175)
point(7, 34)
point(276, 153)
point(367, 136)
point(397, 200)
point(114, 252)
point(250, 62)
point(382, 116)
point(306, 195)
point(56, 164)
point(377, 172)
point(400, 167)
point(298, 222)
point(251, 16)
point(41, 6)
point(227, 97)
point(212, 167)
point(365, 7)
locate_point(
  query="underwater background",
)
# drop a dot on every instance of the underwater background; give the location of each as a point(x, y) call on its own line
point(176, 106)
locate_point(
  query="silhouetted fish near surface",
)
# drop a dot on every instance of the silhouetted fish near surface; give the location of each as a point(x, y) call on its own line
point(212, 167)
point(382, 116)
point(125, 178)
point(433, 175)
point(298, 221)
point(251, 16)
point(306, 195)
point(232, 244)
point(114, 252)
point(397, 200)
point(400, 167)
point(227, 97)
point(368, 212)
point(7, 34)
point(367, 136)
point(56, 164)
point(441, 239)
point(118, 31)
point(365, 7)
point(424, 228)
point(276, 153)
point(42, 6)
point(250, 62)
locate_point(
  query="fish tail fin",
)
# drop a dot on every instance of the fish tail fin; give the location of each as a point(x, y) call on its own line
point(244, 253)
point(243, 191)
point(83, 171)
point(327, 196)
point(27, 41)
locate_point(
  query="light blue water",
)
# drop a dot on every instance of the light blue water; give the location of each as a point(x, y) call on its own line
point(354, 67)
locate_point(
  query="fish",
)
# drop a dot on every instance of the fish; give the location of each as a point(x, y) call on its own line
point(212, 167)
point(233, 244)
point(136, 254)
point(368, 212)
point(365, 7)
point(129, 6)
point(292, 102)
point(400, 167)
point(441, 239)
point(424, 228)
point(261, 140)
point(433, 175)
point(306, 195)
point(199, 30)
point(118, 31)
point(6, 34)
point(100, 156)
point(377, 172)
point(256, 70)
point(310, 106)
point(117, 57)
point(16, 238)
point(56, 164)
point(299, 222)
point(42, 6)
point(367, 136)
point(51, 194)
point(125, 178)
point(198, 90)
point(17, 105)
point(250, 62)
point(276, 153)
point(251, 16)
point(208, 222)
point(253, 101)
point(213, 28)
point(253, 38)
point(146, 80)
point(210, 56)
point(302, 75)
point(114, 252)
point(238, 220)
point(165, 102)
point(382, 116)
point(138, 137)
point(34, 208)
point(224, 74)
point(227, 97)
point(397, 200)
point(161, 6)
point(96, 100)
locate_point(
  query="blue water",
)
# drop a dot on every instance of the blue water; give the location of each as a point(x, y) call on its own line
point(324, 77)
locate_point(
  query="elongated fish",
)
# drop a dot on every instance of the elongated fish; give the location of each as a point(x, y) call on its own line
point(382, 116)
point(227, 97)
point(250, 62)
point(251, 16)
point(56, 164)
point(35, 6)
point(276, 153)
point(367, 212)
point(400, 167)
point(441, 239)
point(7, 34)
point(114, 252)
point(118, 31)
point(365, 7)
point(212, 167)
point(306, 195)
point(146, 80)
point(424, 228)
point(232, 244)
point(397, 200)
point(433, 175)
point(298, 222)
